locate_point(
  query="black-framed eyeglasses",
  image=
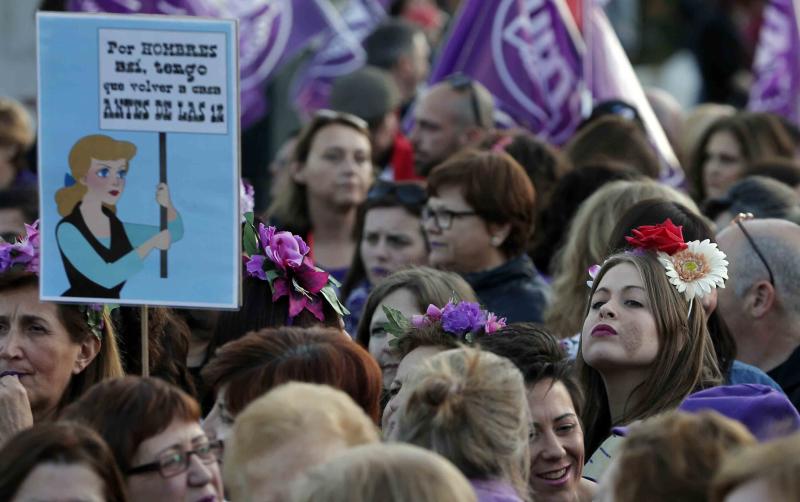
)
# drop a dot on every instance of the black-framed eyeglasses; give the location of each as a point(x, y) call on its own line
point(333, 115)
point(409, 194)
point(174, 461)
point(443, 217)
point(749, 216)
point(459, 82)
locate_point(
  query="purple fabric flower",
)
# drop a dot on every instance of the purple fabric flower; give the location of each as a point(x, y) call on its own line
point(255, 267)
point(419, 321)
point(434, 313)
point(465, 317)
point(284, 249)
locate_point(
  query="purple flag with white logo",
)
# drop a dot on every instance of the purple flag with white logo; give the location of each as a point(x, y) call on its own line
point(776, 68)
point(271, 32)
point(527, 54)
point(609, 75)
point(340, 53)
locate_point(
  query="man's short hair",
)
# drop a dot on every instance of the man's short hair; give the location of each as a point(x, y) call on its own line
point(388, 42)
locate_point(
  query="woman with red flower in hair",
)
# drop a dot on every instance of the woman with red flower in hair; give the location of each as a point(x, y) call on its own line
point(644, 343)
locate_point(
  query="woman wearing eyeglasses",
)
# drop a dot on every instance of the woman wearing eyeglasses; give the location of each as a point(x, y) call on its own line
point(389, 236)
point(153, 429)
point(329, 176)
point(478, 219)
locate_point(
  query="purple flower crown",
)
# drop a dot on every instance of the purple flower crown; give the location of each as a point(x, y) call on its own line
point(23, 253)
point(462, 319)
point(282, 259)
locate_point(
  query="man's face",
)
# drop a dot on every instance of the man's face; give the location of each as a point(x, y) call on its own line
point(437, 133)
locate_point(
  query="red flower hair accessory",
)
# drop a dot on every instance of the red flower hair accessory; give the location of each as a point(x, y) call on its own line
point(665, 237)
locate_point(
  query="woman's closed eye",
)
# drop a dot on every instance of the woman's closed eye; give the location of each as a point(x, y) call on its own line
point(398, 241)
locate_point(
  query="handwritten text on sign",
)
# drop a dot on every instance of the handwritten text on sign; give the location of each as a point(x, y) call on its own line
point(164, 81)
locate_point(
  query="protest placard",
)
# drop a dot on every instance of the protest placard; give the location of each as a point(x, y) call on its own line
point(138, 149)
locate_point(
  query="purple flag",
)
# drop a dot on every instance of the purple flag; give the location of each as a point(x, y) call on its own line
point(776, 67)
point(527, 54)
point(340, 54)
point(610, 76)
point(271, 32)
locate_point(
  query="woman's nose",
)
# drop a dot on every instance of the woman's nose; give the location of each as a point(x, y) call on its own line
point(607, 311)
point(10, 347)
point(199, 473)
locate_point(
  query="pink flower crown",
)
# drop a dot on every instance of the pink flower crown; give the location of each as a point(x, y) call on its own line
point(462, 319)
point(282, 259)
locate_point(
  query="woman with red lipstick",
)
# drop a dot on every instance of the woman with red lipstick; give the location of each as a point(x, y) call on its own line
point(99, 251)
point(153, 430)
point(390, 237)
point(644, 344)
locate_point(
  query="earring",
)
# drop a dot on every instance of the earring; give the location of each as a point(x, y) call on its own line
point(496, 240)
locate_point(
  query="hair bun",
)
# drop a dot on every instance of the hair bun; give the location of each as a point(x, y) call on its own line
point(437, 391)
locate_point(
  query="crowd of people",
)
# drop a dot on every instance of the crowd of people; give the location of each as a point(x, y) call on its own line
point(461, 314)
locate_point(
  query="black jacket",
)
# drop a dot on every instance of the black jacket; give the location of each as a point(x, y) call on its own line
point(514, 290)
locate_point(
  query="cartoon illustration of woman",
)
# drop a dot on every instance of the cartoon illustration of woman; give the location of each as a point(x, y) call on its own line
point(100, 252)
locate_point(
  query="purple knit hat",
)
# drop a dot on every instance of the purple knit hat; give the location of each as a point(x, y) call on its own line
point(766, 412)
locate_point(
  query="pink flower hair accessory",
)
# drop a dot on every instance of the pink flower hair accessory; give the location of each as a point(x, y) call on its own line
point(23, 253)
point(282, 259)
point(462, 319)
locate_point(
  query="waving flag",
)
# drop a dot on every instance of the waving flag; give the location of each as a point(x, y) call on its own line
point(528, 55)
point(340, 54)
point(776, 67)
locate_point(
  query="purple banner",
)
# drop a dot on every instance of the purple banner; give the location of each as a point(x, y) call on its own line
point(271, 32)
point(776, 68)
point(611, 76)
point(525, 53)
point(340, 54)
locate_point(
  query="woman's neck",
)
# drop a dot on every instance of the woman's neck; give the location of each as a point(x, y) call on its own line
point(331, 224)
point(91, 206)
point(620, 387)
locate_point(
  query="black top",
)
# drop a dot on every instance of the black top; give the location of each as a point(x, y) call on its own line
point(80, 285)
point(787, 374)
point(514, 290)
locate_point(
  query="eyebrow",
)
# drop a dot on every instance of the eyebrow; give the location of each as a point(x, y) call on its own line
point(27, 319)
point(626, 288)
point(559, 418)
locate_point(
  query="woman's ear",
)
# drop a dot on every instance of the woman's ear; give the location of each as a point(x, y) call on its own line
point(709, 302)
point(89, 349)
point(297, 173)
point(498, 233)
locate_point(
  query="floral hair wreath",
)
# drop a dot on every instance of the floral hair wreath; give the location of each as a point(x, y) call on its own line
point(282, 259)
point(463, 319)
point(695, 268)
point(23, 254)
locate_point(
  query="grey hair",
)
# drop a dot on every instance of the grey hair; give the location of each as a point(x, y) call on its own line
point(783, 258)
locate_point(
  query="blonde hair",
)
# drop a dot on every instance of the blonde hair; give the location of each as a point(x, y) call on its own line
point(285, 415)
point(776, 463)
point(685, 362)
point(95, 146)
point(387, 472)
point(586, 244)
point(470, 407)
point(674, 456)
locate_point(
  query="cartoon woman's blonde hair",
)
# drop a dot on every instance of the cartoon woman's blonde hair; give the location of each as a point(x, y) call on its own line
point(95, 146)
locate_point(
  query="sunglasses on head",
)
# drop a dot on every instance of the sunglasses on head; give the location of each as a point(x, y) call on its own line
point(349, 118)
point(409, 194)
point(459, 82)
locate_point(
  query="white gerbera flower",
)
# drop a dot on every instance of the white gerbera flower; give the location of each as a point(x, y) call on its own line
point(696, 270)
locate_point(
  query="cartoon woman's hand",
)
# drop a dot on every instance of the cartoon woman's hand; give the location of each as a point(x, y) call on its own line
point(162, 195)
point(162, 240)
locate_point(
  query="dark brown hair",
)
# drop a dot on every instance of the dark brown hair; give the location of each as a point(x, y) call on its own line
point(168, 344)
point(259, 361)
point(107, 362)
point(60, 443)
point(614, 138)
point(538, 355)
point(129, 410)
point(496, 187)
